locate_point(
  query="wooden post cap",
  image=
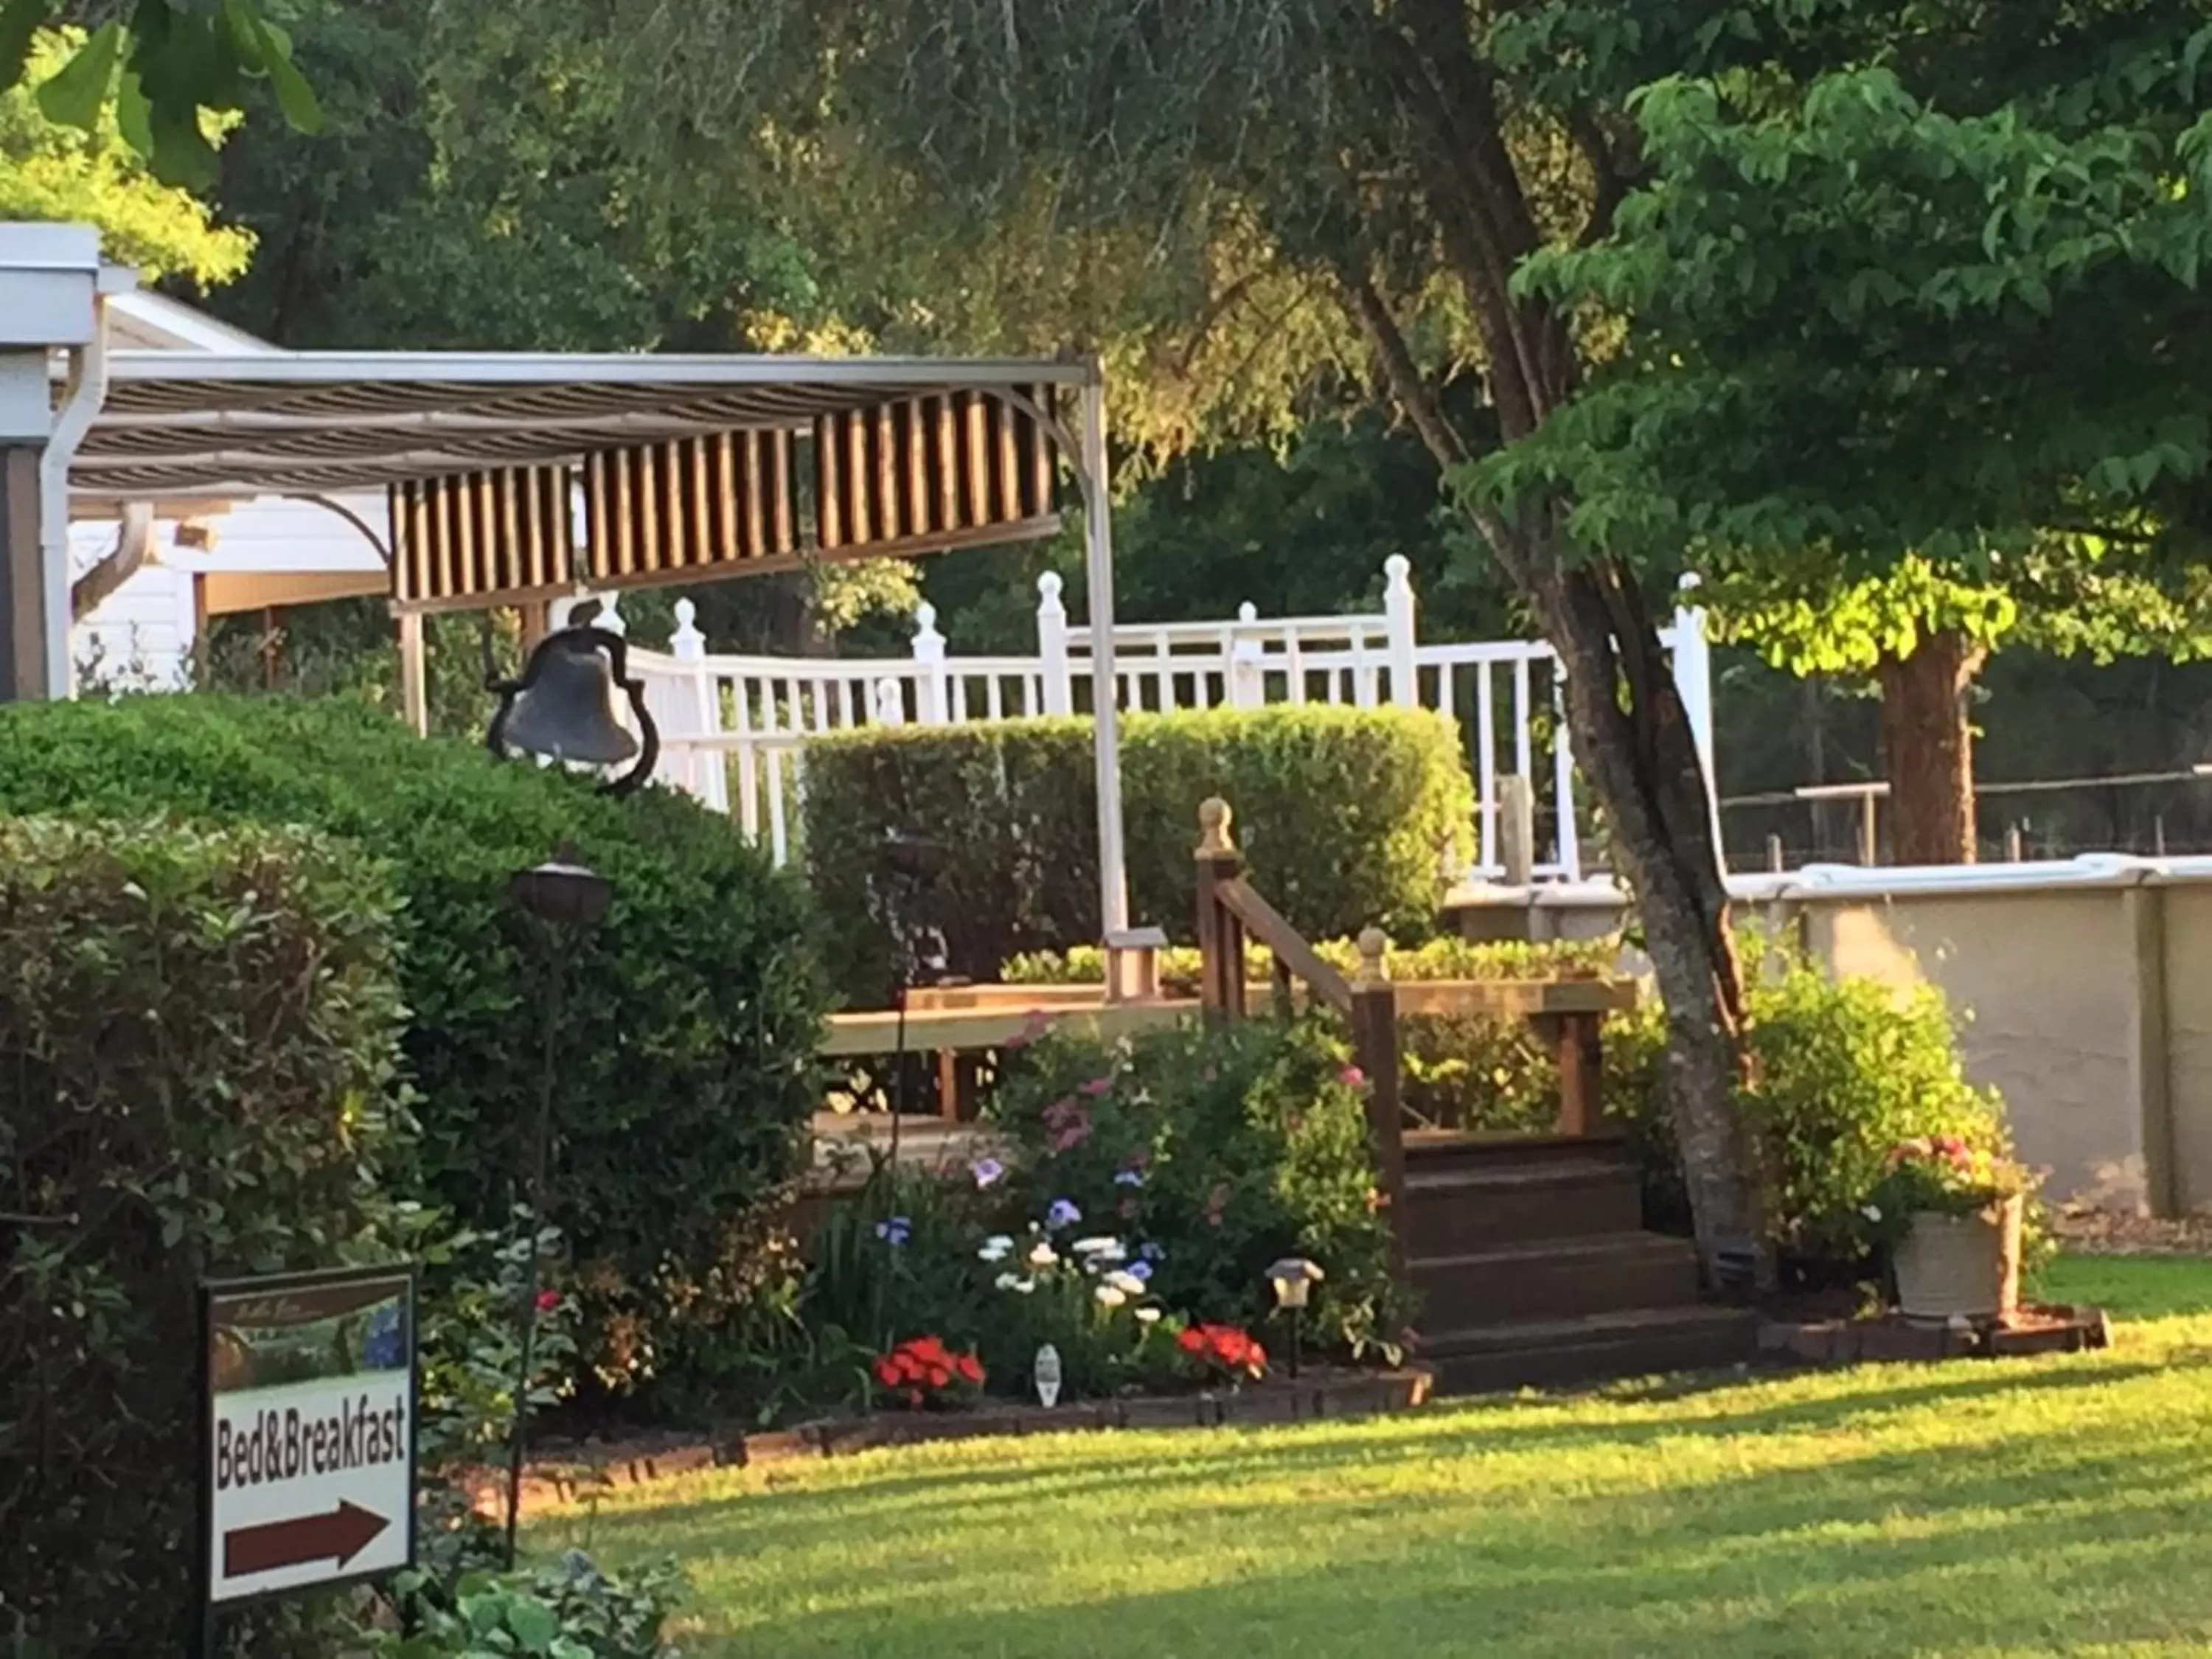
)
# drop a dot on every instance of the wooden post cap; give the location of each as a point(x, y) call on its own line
point(1374, 947)
point(1213, 816)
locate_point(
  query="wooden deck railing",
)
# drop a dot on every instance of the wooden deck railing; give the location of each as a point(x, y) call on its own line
point(1229, 911)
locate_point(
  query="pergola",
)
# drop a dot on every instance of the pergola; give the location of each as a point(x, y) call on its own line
point(516, 479)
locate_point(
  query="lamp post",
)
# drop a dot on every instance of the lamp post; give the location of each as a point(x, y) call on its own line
point(910, 865)
point(1292, 1279)
point(564, 896)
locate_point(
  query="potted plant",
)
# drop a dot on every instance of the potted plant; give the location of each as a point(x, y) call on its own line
point(1953, 1214)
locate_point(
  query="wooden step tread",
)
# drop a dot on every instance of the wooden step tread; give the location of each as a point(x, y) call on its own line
point(1605, 1328)
point(1593, 1248)
point(1516, 1176)
point(1437, 1143)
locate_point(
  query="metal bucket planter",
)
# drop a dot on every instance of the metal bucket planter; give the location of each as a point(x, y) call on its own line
point(1961, 1266)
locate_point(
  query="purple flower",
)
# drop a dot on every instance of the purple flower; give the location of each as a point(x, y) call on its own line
point(1062, 1214)
point(1129, 1178)
point(1140, 1270)
point(896, 1230)
point(987, 1172)
point(1151, 1252)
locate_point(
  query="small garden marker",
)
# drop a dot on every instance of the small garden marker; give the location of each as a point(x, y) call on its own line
point(1048, 1376)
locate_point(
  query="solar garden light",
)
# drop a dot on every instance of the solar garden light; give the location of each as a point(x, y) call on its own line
point(563, 895)
point(1293, 1278)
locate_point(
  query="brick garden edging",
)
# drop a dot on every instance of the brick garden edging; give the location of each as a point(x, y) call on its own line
point(567, 1473)
point(2034, 1330)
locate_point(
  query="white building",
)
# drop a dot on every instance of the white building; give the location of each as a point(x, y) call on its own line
point(268, 554)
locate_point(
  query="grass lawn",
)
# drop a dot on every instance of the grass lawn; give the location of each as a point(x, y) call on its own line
point(2017, 1508)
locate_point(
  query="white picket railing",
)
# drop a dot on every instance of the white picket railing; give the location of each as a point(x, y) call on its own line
point(733, 728)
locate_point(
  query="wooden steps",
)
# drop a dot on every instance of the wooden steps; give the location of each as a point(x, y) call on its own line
point(1533, 1269)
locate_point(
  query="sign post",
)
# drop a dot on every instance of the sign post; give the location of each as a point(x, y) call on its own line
point(307, 1466)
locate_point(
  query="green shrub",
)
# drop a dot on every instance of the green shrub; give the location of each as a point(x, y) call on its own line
point(1459, 1071)
point(1844, 1069)
point(1209, 1155)
point(684, 1049)
point(1349, 817)
point(567, 1609)
point(199, 1037)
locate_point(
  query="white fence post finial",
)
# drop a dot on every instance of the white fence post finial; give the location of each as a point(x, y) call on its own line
point(1059, 690)
point(1248, 670)
point(687, 643)
point(929, 651)
point(1398, 627)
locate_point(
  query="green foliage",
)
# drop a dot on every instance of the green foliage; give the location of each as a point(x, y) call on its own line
point(1222, 1151)
point(83, 172)
point(178, 63)
point(1845, 1071)
point(681, 1046)
point(199, 1037)
point(1853, 225)
point(1460, 1071)
point(1349, 817)
point(1446, 957)
point(566, 1610)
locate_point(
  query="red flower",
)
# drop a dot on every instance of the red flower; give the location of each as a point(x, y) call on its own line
point(970, 1369)
point(888, 1373)
point(548, 1300)
point(1191, 1339)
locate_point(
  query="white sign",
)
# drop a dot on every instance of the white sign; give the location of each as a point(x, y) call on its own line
point(1048, 1376)
point(310, 1474)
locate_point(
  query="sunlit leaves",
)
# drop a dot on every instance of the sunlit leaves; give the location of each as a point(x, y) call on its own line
point(181, 63)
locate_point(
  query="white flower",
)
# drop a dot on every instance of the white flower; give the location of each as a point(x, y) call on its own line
point(1148, 1315)
point(1127, 1284)
point(1870, 1212)
point(1043, 1256)
point(997, 1248)
point(1106, 1247)
point(1007, 1281)
point(1109, 1296)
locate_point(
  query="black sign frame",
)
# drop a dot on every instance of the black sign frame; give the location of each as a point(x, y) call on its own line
point(405, 1275)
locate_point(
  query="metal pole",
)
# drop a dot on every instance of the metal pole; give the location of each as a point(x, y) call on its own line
point(534, 1178)
point(1105, 712)
point(1870, 833)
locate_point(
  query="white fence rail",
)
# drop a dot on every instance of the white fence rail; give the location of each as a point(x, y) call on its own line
point(733, 728)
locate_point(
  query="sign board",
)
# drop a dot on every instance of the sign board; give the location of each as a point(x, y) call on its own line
point(307, 1474)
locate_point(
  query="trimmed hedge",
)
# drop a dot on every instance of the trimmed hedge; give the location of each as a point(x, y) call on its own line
point(1348, 816)
point(199, 1040)
point(684, 1052)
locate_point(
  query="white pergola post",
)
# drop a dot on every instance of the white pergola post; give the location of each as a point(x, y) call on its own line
point(1105, 699)
point(53, 289)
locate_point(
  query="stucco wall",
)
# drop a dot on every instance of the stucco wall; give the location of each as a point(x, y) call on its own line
point(2045, 985)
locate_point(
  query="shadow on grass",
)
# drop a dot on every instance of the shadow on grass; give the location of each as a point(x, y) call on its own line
point(2065, 1545)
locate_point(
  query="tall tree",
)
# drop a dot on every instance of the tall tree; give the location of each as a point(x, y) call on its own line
point(1914, 363)
point(1219, 196)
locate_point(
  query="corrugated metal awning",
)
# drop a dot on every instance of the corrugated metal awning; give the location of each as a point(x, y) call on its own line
point(514, 479)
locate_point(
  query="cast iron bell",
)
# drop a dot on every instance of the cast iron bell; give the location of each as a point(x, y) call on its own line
point(564, 707)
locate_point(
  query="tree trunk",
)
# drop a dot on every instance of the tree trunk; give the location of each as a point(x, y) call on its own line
point(1641, 762)
point(1928, 749)
point(1631, 735)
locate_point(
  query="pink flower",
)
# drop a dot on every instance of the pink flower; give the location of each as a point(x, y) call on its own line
point(1352, 1077)
point(1096, 1087)
point(548, 1300)
point(1073, 1135)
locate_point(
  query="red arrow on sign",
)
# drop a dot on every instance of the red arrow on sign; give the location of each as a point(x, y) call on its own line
point(337, 1536)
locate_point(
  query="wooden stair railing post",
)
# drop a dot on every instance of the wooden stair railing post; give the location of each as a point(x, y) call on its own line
point(1375, 1046)
point(1220, 934)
